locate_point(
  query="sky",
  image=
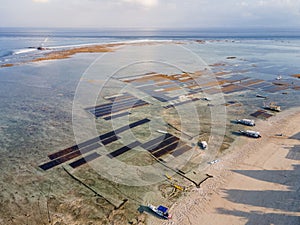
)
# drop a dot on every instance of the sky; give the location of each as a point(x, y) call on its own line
point(150, 14)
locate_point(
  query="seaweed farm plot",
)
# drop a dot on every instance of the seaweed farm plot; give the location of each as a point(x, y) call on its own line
point(84, 160)
point(117, 116)
point(238, 82)
point(157, 95)
point(110, 140)
point(227, 84)
point(179, 151)
point(271, 86)
point(159, 92)
point(155, 141)
point(93, 144)
point(167, 149)
point(73, 148)
point(157, 146)
point(119, 97)
point(274, 88)
point(283, 84)
point(263, 114)
point(117, 105)
point(132, 125)
point(69, 156)
point(124, 149)
point(252, 84)
point(233, 79)
point(162, 87)
point(165, 144)
point(231, 88)
point(181, 103)
point(260, 85)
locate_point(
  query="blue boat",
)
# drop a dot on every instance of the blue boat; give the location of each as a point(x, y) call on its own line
point(161, 211)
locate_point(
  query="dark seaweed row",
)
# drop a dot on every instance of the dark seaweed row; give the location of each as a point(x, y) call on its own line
point(72, 155)
point(84, 160)
point(75, 151)
point(123, 149)
point(118, 104)
point(111, 117)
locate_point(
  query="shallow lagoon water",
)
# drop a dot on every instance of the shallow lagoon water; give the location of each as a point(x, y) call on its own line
point(36, 98)
point(36, 95)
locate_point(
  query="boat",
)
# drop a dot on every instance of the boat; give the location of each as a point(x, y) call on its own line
point(250, 133)
point(40, 48)
point(206, 99)
point(162, 131)
point(261, 96)
point(161, 211)
point(203, 145)
point(246, 122)
point(273, 107)
point(214, 161)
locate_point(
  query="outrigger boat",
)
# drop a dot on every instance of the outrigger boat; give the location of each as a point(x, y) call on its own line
point(246, 122)
point(273, 107)
point(161, 211)
point(250, 133)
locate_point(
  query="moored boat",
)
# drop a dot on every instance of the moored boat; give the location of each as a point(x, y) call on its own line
point(161, 211)
point(250, 133)
point(273, 107)
point(246, 122)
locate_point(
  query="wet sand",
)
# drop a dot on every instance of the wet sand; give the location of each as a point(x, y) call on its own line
point(63, 54)
point(256, 182)
point(67, 53)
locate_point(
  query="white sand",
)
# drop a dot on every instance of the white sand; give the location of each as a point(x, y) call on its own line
point(254, 183)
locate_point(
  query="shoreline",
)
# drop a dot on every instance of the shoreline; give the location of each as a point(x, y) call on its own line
point(69, 51)
point(66, 53)
point(212, 202)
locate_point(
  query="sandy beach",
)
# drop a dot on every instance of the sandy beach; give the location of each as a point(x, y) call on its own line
point(256, 182)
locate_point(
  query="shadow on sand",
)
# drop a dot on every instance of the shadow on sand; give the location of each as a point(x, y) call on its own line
point(236, 133)
point(285, 200)
point(294, 153)
point(258, 218)
point(233, 122)
point(296, 136)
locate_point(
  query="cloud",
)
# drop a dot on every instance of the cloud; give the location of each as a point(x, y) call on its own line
point(150, 13)
point(144, 3)
point(40, 1)
point(272, 10)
